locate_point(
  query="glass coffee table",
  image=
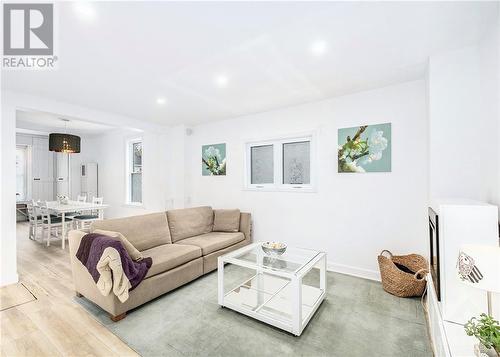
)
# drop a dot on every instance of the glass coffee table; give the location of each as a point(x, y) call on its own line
point(277, 292)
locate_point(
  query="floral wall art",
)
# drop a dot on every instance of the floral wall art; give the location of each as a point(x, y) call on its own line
point(365, 148)
point(213, 160)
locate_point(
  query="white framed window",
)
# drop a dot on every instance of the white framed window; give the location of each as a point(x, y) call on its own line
point(134, 171)
point(281, 164)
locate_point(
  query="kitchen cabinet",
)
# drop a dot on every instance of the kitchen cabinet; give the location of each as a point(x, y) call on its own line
point(42, 166)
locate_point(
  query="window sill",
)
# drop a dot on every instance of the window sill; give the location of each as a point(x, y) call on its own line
point(133, 204)
point(282, 189)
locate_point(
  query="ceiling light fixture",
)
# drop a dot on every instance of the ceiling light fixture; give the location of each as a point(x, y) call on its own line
point(221, 81)
point(318, 48)
point(161, 100)
point(64, 142)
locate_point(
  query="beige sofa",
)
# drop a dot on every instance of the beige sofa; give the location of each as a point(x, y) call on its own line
point(181, 242)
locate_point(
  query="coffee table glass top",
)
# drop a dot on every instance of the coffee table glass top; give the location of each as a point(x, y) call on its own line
point(289, 262)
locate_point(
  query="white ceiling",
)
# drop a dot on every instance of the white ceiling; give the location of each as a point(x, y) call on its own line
point(33, 121)
point(121, 56)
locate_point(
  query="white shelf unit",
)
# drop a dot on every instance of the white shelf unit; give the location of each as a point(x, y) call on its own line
point(460, 222)
point(448, 338)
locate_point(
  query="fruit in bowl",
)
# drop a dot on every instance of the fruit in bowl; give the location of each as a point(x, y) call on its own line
point(274, 248)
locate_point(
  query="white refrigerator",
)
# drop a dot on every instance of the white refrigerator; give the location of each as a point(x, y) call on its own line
point(62, 181)
point(89, 180)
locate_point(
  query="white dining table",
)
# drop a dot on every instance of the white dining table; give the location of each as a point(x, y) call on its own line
point(61, 209)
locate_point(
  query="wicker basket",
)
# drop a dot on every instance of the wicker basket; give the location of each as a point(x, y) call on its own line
point(398, 282)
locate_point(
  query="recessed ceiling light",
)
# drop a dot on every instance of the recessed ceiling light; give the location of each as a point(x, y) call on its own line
point(221, 80)
point(318, 48)
point(161, 100)
point(85, 10)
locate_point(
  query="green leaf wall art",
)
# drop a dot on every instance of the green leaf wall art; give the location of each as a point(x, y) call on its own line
point(365, 148)
point(213, 160)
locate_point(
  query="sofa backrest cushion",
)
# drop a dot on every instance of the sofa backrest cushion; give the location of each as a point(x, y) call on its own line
point(144, 231)
point(226, 220)
point(190, 222)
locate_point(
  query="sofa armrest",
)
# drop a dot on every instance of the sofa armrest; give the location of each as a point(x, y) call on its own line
point(74, 238)
point(83, 282)
point(246, 225)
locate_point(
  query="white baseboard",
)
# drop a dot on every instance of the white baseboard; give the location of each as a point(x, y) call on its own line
point(7, 280)
point(354, 271)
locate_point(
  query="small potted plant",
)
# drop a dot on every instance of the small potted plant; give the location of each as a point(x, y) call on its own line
point(487, 331)
point(62, 199)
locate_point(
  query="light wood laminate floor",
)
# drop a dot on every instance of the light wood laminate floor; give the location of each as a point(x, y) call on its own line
point(52, 324)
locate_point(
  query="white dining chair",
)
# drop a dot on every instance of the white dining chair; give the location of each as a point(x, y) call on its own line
point(79, 199)
point(51, 224)
point(34, 220)
point(81, 221)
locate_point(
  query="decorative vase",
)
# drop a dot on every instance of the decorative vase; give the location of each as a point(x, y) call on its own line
point(481, 351)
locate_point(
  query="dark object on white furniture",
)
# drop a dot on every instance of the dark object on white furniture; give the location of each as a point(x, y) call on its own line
point(434, 264)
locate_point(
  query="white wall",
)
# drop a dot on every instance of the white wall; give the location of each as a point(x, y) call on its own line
point(109, 151)
point(495, 44)
point(177, 175)
point(489, 71)
point(489, 81)
point(8, 258)
point(454, 103)
point(351, 216)
point(463, 120)
point(489, 56)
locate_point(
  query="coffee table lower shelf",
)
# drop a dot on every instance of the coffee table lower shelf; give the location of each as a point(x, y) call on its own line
point(275, 300)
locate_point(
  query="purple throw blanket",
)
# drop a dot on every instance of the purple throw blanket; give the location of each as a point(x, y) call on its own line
point(90, 251)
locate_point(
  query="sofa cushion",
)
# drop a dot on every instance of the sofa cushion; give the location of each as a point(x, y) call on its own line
point(131, 250)
point(169, 256)
point(144, 232)
point(211, 242)
point(190, 222)
point(226, 220)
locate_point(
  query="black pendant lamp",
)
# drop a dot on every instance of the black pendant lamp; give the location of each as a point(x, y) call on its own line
point(68, 143)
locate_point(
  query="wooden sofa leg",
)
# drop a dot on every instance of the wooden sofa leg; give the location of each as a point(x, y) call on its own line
point(118, 317)
point(78, 294)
